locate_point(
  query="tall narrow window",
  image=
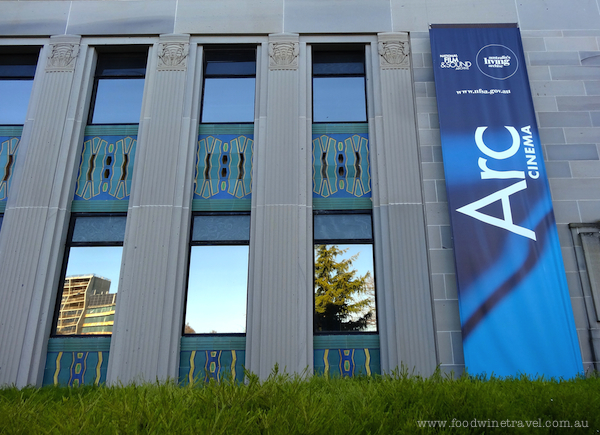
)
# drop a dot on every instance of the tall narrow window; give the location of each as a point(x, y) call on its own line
point(118, 88)
point(344, 284)
point(339, 84)
point(229, 85)
point(88, 296)
point(16, 81)
point(218, 276)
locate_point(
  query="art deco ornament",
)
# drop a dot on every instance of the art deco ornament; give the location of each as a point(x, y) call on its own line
point(283, 55)
point(394, 54)
point(62, 58)
point(172, 56)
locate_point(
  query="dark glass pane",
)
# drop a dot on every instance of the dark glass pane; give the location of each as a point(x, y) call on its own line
point(14, 100)
point(339, 99)
point(221, 228)
point(217, 290)
point(1, 217)
point(344, 288)
point(89, 293)
point(343, 227)
point(121, 64)
point(118, 101)
point(109, 229)
point(338, 63)
point(228, 100)
point(230, 63)
point(18, 65)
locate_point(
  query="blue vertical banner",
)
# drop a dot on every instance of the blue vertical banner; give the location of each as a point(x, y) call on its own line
point(515, 309)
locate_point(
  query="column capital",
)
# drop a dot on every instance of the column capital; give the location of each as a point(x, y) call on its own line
point(283, 51)
point(394, 50)
point(63, 53)
point(173, 50)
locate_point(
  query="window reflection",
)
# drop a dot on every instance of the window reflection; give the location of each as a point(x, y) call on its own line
point(217, 290)
point(89, 292)
point(338, 84)
point(118, 101)
point(16, 81)
point(344, 288)
point(14, 100)
point(229, 85)
point(118, 88)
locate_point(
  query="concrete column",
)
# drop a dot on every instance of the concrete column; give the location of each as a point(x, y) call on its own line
point(279, 322)
point(401, 267)
point(37, 213)
point(149, 313)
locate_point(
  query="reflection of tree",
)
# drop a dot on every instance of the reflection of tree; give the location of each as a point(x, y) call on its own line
point(188, 329)
point(338, 306)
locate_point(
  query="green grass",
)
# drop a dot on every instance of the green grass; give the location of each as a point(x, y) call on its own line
point(291, 405)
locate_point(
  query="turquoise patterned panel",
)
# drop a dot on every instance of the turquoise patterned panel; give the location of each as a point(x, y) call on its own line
point(341, 168)
point(224, 167)
point(9, 147)
point(106, 168)
point(76, 361)
point(346, 356)
point(203, 358)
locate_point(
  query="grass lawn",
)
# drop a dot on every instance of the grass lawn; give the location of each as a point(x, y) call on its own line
point(292, 405)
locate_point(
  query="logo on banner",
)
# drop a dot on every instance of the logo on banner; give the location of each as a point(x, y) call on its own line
point(497, 61)
point(451, 61)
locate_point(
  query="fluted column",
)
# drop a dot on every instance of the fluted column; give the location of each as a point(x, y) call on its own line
point(403, 289)
point(149, 313)
point(279, 322)
point(36, 216)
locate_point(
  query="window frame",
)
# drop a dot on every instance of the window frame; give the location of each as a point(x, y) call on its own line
point(33, 52)
point(193, 243)
point(348, 241)
point(65, 262)
point(339, 48)
point(116, 51)
point(232, 49)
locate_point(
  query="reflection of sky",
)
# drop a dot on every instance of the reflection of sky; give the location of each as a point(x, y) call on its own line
point(339, 99)
point(217, 289)
point(104, 261)
point(14, 99)
point(228, 100)
point(118, 101)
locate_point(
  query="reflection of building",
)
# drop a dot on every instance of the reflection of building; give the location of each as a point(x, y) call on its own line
point(87, 307)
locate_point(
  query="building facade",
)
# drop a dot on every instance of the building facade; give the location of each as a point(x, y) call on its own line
point(194, 142)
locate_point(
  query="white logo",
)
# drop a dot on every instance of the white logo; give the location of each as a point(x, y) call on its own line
point(451, 61)
point(496, 61)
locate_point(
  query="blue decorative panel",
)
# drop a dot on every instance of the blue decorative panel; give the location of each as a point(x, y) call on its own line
point(203, 358)
point(76, 361)
point(224, 167)
point(341, 166)
point(106, 168)
point(9, 147)
point(346, 355)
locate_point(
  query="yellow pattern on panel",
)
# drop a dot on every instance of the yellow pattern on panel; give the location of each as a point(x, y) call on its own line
point(57, 371)
point(368, 362)
point(191, 374)
point(326, 361)
point(233, 360)
point(97, 380)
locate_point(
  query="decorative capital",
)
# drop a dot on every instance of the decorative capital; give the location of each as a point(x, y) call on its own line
point(172, 56)
point(283, 55)
point(394, 51)
point(62, 57)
